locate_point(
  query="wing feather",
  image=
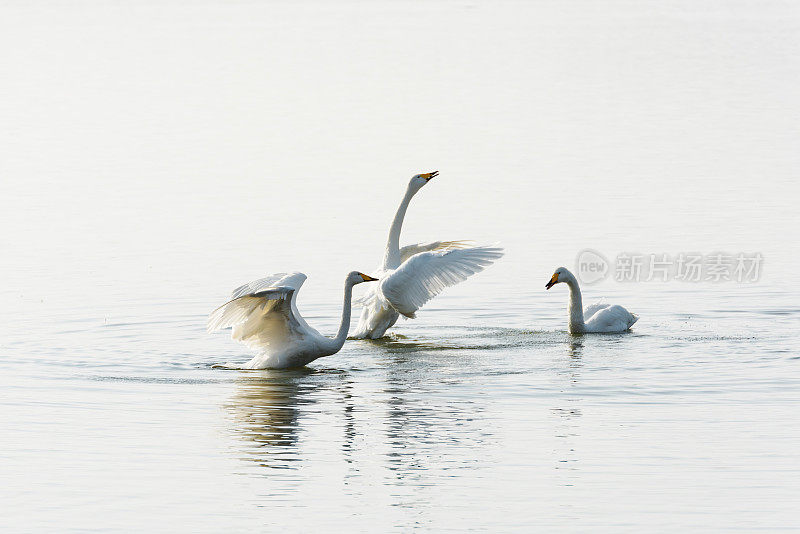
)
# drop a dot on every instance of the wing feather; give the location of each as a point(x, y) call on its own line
point(613, 318)
point(239, 309)
point(591, 309)
point(425, 275)
point(410, 250)
point(262, 319)
point(293, 280)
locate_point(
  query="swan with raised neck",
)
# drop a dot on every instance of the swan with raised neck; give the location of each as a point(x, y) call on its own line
point(414, 274)
point(597, 318)
point(576, 322)
point(392, 259)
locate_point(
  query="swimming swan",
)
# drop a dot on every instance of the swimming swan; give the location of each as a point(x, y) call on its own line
point(412, 275)
point(264, 316)
point(597, 318)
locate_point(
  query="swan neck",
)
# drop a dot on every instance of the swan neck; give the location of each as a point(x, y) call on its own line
point(392, 258)
point(344, 327)
point(576, 324)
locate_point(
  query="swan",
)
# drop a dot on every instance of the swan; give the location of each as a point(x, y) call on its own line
point(264, 316)
point(412, 275)
point(596, 318)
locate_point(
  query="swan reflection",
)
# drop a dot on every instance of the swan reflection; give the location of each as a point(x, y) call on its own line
point(265, 410)
point(575, 348)
point(419, 420)
point(412, 404)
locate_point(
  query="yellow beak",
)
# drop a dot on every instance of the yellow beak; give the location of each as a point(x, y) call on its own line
point(368, 278)
point(553, 281)
point(429, 175)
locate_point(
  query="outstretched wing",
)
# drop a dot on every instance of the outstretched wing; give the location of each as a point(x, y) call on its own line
point(293, 280)
point(265, 316)
point(410, 250)
point(260, 320)
point(426, 274)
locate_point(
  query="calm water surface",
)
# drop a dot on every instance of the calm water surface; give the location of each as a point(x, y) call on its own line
point(159, 156)
point(458, 421)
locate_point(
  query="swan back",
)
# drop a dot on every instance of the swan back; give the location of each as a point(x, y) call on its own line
point(610, 318)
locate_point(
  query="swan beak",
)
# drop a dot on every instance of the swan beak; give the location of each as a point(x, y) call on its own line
point(429, 175)
point(553, 281)
point(368, 278)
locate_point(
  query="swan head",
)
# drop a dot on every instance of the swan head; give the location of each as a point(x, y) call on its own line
point(419, 180)
point(356, 277)
point(561, 274)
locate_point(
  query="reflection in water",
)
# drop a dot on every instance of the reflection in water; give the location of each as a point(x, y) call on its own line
point(571, 368)
point(419, 422)
point(414, 421)
point(265, 409)
point(566, 427)
point(349, 426)
point(428, 429)
point(269, 406)
point(575, 347)
point(568, 414)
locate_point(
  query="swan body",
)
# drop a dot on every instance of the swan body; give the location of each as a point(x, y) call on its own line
point(263, 315)
point(596, 318)
point(412, 275)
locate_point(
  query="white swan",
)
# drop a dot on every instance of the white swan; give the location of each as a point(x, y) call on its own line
point(264, 316)
point(597, 318)
point(412, 275)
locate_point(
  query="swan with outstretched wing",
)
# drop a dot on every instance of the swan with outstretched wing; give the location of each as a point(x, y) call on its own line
point(412, 275)
point(263, 315)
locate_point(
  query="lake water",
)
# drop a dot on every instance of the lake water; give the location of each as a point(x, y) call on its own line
point(157, 155)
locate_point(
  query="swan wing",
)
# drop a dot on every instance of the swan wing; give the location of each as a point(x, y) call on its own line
point(426, 274)
point(370, 296)
point(263, 319)
point(410, 250)
point(293, 280)
point(591, 309)
point(611, 319)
